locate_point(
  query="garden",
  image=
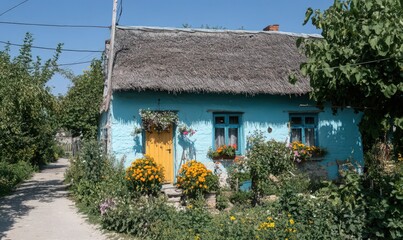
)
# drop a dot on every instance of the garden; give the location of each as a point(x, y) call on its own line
point(283, 202)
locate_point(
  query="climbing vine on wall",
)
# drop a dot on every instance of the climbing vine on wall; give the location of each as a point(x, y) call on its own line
point(159, 121)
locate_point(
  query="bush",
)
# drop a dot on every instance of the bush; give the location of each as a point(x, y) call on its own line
point(195, 179)
point(265, 158)
point(238, 172)
point(13, 174)
point(145, 176)
point(241, 198)
point(95, 177)
point(138, 217)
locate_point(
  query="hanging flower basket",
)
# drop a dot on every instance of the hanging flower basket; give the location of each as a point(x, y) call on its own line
point(158, 121)
point(184, 130)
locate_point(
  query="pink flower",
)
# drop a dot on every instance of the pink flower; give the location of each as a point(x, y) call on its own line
point(185, 133)
point(296, 153)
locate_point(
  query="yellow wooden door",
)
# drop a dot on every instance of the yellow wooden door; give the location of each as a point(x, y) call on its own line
point(159, 145)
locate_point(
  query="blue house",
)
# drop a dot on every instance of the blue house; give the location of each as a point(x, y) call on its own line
point(223, 84)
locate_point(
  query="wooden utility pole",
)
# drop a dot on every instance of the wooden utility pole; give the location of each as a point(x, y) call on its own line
point(111, 55)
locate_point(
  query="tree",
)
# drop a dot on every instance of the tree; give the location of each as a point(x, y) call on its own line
point(359, 63)
point(80, 107)
point(27, 119)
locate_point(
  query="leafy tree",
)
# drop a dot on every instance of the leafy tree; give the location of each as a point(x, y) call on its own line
point(80, 107)
point(27, 119)
point(359, 62)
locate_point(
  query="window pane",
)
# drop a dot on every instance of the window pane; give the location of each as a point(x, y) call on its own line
point(233, 136)
point(233, 120)
point(219, 137)
point(296, 120)
point(309, 136)
point(309, 120)
point(296, 135)
point(219, 120)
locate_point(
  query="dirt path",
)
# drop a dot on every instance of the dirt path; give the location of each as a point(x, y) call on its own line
point(40, 209)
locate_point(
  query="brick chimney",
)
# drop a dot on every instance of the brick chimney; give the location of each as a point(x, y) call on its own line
point(273, 27)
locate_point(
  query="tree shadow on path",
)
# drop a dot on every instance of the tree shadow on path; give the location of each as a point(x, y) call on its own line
point(45, 186)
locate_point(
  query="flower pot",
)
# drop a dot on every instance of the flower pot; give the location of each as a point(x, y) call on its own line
point(224, 158)
point(210, 200)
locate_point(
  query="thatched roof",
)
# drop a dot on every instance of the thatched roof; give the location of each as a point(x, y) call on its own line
point(188, 60)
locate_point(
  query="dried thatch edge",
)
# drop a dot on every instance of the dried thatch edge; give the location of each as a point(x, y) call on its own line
point(193, 30)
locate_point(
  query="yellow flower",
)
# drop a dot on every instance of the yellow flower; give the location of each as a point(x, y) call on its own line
point(232, 218)
point(292, 221)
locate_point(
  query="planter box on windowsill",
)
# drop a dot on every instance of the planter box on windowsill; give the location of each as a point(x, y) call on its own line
point(316, 159)
point(224, 158)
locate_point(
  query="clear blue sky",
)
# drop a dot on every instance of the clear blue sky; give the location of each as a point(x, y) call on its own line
point(231, 14)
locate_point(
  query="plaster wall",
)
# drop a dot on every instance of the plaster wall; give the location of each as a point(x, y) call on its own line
point(337, 133)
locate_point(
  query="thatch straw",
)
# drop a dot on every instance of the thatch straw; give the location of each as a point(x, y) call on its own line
point(176, 60)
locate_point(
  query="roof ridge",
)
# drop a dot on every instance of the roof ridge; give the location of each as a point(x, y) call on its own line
point(194, 30)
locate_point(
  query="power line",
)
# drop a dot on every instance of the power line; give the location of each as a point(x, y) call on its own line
point(54, 25)
point(356, 64)
point(74, 63)
point(48, 48)
point(120, 12)
point(8, 10)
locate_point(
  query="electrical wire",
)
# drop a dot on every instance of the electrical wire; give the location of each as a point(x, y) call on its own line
point(48, 48)
point(120, 11)
point(74, 63)
point(357, 64)
point(8, 10)
point(54, 25)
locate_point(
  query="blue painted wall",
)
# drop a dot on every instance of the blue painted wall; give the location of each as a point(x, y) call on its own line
point(338, 133)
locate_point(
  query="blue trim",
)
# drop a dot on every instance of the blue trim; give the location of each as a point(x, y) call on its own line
point(226, 125)
point(304, 126)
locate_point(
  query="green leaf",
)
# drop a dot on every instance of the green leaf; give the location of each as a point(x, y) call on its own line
point(373, 42)
point(308, 15)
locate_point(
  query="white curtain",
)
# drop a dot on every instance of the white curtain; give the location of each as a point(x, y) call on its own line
point(219, 137)
point(233, 136)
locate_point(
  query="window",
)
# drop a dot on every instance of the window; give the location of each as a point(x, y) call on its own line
point(304, 128)
point(227, 130)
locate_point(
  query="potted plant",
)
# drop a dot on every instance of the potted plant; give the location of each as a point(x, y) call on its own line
point(303, 153)
point(222, 152)
point(195, 180)
point(184, 130)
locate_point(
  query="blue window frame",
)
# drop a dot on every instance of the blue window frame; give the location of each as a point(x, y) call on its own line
point(227, 130)
point(304, 128)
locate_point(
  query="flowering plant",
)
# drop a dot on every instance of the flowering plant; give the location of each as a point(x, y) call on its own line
point(158, 120)
point(145, 176)
point(222, 152)
point(302, 152)
point(186, 131)
point(194, 178)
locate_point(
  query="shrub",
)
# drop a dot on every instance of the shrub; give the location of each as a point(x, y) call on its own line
point(145, 176)
point(241, 198)
point(13, 174)
point(238, 172)
point(138, 217)
point(265, 158)
point(195, 179)
point(222, 201)
point(95, 177)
